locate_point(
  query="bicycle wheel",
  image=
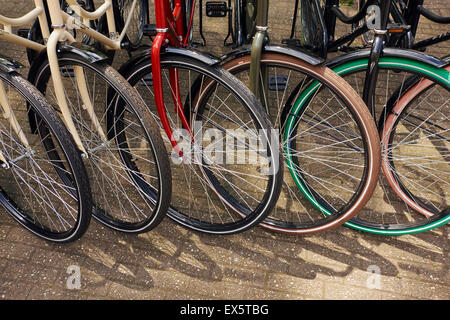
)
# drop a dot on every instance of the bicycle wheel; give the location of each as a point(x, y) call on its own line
point(421, 139)
point(126, 160)
point(135, 29)
point(330, 143)
point(413, 108)
point(44, 183)
point(215, 191)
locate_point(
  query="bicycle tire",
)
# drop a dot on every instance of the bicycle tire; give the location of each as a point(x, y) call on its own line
point(400, 105)
point(410, 222)
point(35, 33)
point(31, 178)
point(221, 210)
point(315, 221)
point(128, 168)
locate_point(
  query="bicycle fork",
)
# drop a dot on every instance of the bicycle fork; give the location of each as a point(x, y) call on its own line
point(9, 114)
point(59, 33)
point(160, 38)
point(371, 77)
point(258, 43)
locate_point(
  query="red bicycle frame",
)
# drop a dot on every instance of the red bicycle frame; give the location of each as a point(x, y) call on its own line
point(170, 31)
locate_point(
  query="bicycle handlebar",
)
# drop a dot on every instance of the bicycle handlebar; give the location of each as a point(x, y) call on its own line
point(86, 14)
point(348, 20)
point(432, 16)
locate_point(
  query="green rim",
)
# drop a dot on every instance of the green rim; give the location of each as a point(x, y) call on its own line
point(438, 74)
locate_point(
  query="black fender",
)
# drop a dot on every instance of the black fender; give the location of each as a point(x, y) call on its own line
point(393, 52)
point(297, 53)
point(146, 54)
point(9, 65)
point(86, 52)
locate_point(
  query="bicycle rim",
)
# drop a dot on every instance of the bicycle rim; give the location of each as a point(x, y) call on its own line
point(399, 217)
point(126, 159)
point(218, 197)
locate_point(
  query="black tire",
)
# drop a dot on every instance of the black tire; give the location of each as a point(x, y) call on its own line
point(411, 130)
point(56, 175)
point(129, 172)
point(229, 215)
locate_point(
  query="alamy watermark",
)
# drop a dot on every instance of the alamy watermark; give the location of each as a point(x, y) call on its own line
point(217, 146)
point(373, 20)
point(374, 280)
point(74, 279)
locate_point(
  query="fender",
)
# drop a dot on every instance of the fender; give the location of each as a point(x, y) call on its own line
point(9, 65)
point(297, 53)
point(392, 52)
point(400, 53)
point(146, 54)
point(84, 51)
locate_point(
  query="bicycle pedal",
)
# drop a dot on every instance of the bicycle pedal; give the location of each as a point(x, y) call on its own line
point(23, 33)
point(196, 44)
point(216, 9)
point(277, 83)
point(398, 28)
point(149, 29)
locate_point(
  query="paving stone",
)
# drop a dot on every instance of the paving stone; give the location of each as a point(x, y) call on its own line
point(15, 251)
point(171, 262)
point(295, 285)
point(12, 290)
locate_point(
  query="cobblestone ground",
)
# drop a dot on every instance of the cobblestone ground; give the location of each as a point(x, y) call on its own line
point(171, 262)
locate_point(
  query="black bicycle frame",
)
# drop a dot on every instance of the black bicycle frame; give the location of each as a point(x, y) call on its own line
point(404, 15)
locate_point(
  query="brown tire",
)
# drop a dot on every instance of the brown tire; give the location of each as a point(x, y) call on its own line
point(317, 214)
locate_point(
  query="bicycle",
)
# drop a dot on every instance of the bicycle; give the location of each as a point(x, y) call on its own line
point(45, 186)
point(382, 224)
point(408, 13)
point(223, 196)
point(123, 152)
point(412, 73)
point(281, 70)
point(123, 10)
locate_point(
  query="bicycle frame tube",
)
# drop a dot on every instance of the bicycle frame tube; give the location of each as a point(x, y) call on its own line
point(8, 23)
point(262, 9)
point(169, 31)
point(9, 114)
point(114, 40)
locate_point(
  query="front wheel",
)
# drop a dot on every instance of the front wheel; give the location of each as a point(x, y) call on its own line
point(126, 159)
point(329, 141)
point(413, 108)
point(227, 180)
point(44, 185)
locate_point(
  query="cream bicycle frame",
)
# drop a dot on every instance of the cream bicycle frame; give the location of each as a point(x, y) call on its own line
point(61, 23)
